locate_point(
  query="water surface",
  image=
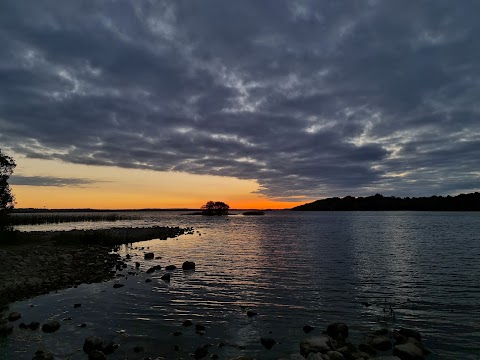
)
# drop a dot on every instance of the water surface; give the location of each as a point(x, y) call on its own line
point(293, 269)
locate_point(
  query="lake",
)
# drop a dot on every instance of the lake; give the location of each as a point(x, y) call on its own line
point(292, 268)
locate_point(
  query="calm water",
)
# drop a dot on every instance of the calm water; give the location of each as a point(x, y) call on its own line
point(291, 268)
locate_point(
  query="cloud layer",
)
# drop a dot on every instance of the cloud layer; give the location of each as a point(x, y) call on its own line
point(309, 98)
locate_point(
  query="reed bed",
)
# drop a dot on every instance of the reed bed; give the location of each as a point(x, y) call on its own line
point(46, 218)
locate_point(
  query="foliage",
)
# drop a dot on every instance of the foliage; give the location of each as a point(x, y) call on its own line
point(7, 164)
point(461, 202)
point(215, 208)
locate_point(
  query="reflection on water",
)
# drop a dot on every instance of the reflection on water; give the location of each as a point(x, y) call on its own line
point(292, 269)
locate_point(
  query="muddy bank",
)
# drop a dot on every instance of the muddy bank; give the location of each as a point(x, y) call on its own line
point(36, 263)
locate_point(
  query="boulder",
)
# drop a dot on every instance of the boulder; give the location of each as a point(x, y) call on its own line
point(97, 355)
point(149, 256)
point(51, 326)
point(335, 355)
point(91, 344)
point(14, 316)
point(187, 323)
point(165, 277)
point(381, 342)
point(408, 351)
point(336, 329)
point(200, 352)
point(170, 267)
point(314, 344)
point(251, 313)
point(410, 333)
point(188, 265)
point(366, 348)
point(267, 342)
point(34, 325)
point(77, 305)
point(109, 347)
point(118, 285)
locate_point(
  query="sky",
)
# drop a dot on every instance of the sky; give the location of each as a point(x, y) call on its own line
point(268, 104)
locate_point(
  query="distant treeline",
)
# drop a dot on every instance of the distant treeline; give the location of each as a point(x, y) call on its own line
point(34, 218)
point(462, 202)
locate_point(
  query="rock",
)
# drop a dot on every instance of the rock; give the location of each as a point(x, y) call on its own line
point(199, 327)
point(118, 285)
point(336, 329)
point(408, 351)
point(91, 344)
point(177, 333)
point(267, 342)
point(381, 342)
point(77, 305)
point(188, 265)
point(165, 277)
point(187, 323)
point(137, 264)
point(34, 325)
point(97, 355)
point(139, 349)
point(5, 329)
point(170, 267)
point(314, 344)
point(82, 325)
point(14, 316)
point(366, 348)
point(149, 256)
point(51, 326)
point(128, 256)
point(251, 313)
point(307, 329)
point(410, 333)
point(316, 356)
point(148, 280)
point(43, 355)
point(200, 352)
point(109, 347)
point(335, 355)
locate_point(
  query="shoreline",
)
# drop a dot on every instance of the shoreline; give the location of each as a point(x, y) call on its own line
point(39, 262)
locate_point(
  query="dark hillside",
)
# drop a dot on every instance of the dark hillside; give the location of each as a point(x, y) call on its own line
point(462, 202)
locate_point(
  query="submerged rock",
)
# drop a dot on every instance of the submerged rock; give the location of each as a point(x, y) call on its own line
point(308, 328)
point(267, 342)
point(149, 256)
point(51, 326)
point(165, 277)
point(14, 316)
point(170, 267)
point(251, 313)
point(118, 285)
point(187, 323)
point(91, 344)
point(43, 355)
point(200, 352)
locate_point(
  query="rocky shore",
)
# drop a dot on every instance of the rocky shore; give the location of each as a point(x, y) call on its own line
point(40, 262)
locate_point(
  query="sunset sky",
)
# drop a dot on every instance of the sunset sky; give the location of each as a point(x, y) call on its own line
point(260, 104)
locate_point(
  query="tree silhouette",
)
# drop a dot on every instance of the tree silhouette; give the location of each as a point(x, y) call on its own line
point(7, 164)
point(215, 208)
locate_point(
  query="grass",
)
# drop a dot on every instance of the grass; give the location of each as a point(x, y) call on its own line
point(56, 218)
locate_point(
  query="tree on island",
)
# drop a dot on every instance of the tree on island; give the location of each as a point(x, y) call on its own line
point(215, 208)
point(7, 164)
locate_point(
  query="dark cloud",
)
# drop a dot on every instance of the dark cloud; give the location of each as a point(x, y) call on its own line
point(49, 181)
point(309, 98)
